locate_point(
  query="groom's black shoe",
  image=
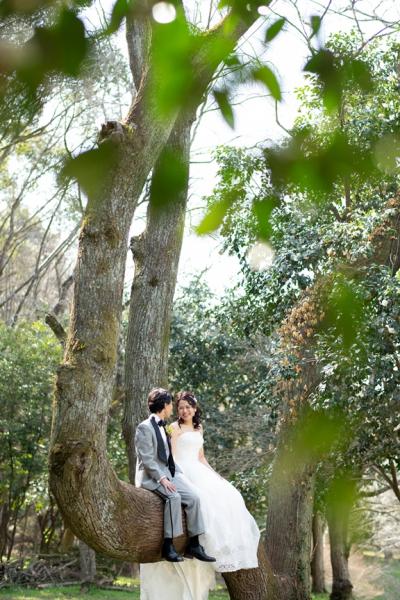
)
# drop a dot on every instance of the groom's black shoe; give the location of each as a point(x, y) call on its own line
point(197, 551)
point(169, 553)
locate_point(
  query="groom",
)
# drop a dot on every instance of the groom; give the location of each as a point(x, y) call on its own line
point(159, 473)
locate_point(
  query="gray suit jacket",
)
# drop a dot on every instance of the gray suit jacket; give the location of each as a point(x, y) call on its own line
point(149, 468)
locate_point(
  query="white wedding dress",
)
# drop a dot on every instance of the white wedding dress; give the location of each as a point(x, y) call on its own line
point(231, 534)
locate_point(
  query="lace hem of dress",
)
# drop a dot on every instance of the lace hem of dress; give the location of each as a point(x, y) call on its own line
point(230, 567)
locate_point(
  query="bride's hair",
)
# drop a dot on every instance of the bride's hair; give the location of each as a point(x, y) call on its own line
point(191, 399)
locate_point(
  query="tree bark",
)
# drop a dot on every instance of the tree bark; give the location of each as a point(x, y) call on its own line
point(317, 558)
point(252, 584)
point(4, 518)
point(338, 513)
point(156, 254)
point(288, 532)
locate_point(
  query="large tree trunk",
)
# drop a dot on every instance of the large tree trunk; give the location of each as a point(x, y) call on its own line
point(110, 515)
point(252, 584)
point(156, 254)
point(291, 490)
point(290, 493)
point(317, 558)
point(288, 532)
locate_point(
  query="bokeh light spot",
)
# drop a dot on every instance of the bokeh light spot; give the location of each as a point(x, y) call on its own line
point(164, 12)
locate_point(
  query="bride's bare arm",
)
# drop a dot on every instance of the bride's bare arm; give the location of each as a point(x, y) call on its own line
point(202, 458)
point(174, 436)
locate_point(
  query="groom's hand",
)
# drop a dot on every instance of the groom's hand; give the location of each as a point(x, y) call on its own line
point(168, 485)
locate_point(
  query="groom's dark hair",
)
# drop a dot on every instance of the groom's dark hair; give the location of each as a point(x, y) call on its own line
point(157, 399)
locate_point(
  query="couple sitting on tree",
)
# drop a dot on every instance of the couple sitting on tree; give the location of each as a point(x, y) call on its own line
point(223, 536)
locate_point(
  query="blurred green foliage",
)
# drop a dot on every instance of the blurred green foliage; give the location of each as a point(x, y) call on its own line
point(324, 233)
point(45, 40)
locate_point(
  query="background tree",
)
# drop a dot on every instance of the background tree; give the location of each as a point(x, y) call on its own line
point(29, 355)
point(326, 301)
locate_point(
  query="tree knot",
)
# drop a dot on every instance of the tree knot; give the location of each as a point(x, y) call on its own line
point(113, 131)
point(73, 458)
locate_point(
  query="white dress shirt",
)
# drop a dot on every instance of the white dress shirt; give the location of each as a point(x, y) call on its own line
point(163, 435)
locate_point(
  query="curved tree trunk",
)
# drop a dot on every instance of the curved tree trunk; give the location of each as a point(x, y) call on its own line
point(317, 558)
point(156, 254)
point(110, 515)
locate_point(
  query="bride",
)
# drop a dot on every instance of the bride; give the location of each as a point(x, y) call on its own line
point(231, 534)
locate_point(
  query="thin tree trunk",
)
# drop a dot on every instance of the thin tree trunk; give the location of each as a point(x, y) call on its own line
point(156, 254)
point(4, 518)
point(338, 512)
point(87, 561)
point(61, 306)
point(317, 558)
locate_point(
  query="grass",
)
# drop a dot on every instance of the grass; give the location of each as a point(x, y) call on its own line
point(389, 580)
point(73, 592)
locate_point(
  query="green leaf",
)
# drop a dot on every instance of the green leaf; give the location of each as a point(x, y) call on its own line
point(170, 178)
point(174, 82)
point(222, 99)
point(232, 61)
point(262, 210)
point(268, 77)
point(92, 169)
point(213, 218)
point(61, 48)
point(322, 63)
point(274, 29)
point(361, 74)
point(120, 9)
point(315, 23)
point(344, 311)
point(336, 74)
